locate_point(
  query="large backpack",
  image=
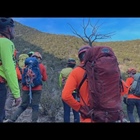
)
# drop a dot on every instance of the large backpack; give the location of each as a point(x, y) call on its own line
point(135, 87)
point(65, 73)
point(21, 60)
point(31, 76)
point(104, 82)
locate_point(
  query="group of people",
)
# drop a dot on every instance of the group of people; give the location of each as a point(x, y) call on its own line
point(69, 79)
point(73, 80)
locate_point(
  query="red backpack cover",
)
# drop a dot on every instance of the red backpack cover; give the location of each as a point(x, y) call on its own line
point(104, 81)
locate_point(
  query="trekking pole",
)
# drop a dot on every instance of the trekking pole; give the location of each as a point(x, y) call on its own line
point(30, 93)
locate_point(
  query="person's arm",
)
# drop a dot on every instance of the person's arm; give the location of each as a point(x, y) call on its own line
point(70, 86)
point(8, 67)
point(125, 88)
point(128, 82)
point(19, 76)
point(43, 72)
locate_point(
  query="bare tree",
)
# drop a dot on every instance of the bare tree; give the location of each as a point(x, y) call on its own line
point(89, 39)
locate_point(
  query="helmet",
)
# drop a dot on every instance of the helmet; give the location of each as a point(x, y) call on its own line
point(6, 21)
point(81, 52)
point(37, 54)
point(71, 61)
point(131, 71)
point(30, 53)
point(83, 49)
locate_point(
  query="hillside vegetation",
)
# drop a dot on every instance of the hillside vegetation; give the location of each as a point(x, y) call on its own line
point(56, 49)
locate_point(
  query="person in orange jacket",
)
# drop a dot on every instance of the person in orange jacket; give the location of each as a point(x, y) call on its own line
point(124, 89)
point(72, 83)
point(64, 73)
point(36, 94)
point(18, 69)
point(19, 76)
point(130, 99)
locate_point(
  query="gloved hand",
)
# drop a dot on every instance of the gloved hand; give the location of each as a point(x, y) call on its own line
point(125, 100)
point(17, 101)
point(85, 111)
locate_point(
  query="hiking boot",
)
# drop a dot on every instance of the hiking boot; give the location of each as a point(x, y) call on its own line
point(7, 121)
point(125, 120)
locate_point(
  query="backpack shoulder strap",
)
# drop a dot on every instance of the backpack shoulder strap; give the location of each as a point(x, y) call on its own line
point(82, 81)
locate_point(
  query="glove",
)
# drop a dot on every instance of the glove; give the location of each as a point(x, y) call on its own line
point(85, 112)
point(17, 101)
point(125, 100)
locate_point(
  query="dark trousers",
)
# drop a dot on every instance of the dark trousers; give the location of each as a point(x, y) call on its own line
point(36, 95)
point(67, 110)
point(131, 103)
point(3, 94)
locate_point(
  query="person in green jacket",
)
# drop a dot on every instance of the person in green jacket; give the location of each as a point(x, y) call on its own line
point(8, 76)
point(71, 63)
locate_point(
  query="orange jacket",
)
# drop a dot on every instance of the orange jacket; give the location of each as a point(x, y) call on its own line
point(72, 83)
point(19, 76)
point(44, 78)
point(129, 82)
point(125, 88)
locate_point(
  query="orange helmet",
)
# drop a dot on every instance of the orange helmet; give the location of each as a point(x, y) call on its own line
point(37, 54)
point(131, 71)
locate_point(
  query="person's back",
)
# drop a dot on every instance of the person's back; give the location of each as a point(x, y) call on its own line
point(131, 100)
point(73, 82)
point(62, 80)
point(36, 94)
point(7, 65)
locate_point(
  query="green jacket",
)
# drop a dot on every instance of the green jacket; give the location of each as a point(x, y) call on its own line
point(7, 68)
point(64, 73)
point(21, 60)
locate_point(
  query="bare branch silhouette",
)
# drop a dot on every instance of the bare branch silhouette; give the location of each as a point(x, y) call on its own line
point(89, 39)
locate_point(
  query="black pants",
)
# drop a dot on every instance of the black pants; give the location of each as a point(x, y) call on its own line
point(3, 94)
